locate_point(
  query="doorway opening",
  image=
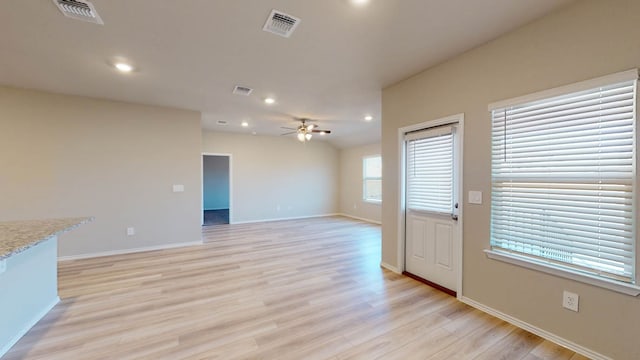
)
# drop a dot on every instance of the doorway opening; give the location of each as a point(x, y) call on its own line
point(216, 189)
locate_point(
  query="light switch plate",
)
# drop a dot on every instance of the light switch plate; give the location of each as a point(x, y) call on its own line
point(178, 188)
point(475, 197)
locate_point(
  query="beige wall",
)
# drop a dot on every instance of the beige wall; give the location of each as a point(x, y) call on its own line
point(277, 177)
point(585, 40)
point(73, 156)
point(351, 202)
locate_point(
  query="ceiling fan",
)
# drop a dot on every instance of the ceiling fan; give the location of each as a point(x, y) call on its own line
point(305, 131)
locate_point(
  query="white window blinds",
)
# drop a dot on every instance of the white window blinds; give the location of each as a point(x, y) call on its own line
point(563, 180)
point(430, 170)
point(372, 178)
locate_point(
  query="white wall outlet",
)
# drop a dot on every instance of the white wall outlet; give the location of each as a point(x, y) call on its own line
point(131, 231)
point(570, 301)
point(3, 265)
point(475, 197)
point(178, 188)
point(278, 207)
point(355, 206)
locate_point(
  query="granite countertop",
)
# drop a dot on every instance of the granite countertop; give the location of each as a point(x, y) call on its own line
point(18, 236)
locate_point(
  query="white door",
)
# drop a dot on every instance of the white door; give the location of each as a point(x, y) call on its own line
point(432, 233)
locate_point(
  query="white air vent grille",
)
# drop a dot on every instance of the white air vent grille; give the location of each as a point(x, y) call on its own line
point(280, 23)
point(79, 10)
point(242, 90)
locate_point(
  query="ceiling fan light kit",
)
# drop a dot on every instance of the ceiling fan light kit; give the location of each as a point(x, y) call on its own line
point(302, 137)
point(304, 132)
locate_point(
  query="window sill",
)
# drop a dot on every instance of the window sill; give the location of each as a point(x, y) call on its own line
point(541, 266)
point(375, 202)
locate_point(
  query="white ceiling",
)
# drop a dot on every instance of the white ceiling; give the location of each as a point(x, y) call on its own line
point(191, 53)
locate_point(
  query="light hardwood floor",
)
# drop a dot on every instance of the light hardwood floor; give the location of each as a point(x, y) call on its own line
point(303, 289)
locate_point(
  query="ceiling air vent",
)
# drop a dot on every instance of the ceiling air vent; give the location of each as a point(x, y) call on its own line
point(223, 122)
point(242, 90)
point(280, 23)
point(79, 10)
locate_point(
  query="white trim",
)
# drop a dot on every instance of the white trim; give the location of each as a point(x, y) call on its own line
point(390, 267)
point(402, 197)
point(547, 268)
point(128, 251)
point(6, 347)
point(285, 218)
point(230, 156)
point(567, 89)
point(536, 330)
point(453, 119)
point(360, 218)
point(460, 198)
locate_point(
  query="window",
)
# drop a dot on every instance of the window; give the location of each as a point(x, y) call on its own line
point(563, 179)
point(430, 170)
point(372, 178)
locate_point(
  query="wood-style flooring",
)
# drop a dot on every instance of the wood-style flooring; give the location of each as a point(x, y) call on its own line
point(303, 289)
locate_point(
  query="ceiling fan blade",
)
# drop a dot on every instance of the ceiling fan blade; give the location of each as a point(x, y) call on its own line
point(287, 128)
point(321, 131)
point(288, 133)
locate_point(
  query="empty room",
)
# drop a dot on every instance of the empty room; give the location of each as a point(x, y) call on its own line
point(335, 179)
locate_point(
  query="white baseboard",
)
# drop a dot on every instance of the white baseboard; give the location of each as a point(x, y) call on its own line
point(360, 218)
point(6, 347)
point(284, 219)
point(128, 251)
point(536, 330)
point(390, 268)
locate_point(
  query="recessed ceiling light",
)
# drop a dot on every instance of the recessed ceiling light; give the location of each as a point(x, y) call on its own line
point(123, 67)
point(359, 2)
point(245, 124)
point(368, 118)
point(269, 100)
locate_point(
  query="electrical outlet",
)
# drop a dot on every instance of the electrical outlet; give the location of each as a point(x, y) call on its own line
point(131, 231)
point(570, 301)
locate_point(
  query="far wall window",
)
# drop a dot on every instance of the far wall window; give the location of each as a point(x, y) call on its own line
point(372, 178)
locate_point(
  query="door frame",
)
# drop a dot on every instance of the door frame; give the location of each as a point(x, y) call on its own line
point(202, 184)
point(453, 119)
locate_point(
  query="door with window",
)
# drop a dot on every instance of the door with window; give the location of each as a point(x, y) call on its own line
point(432, 233)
